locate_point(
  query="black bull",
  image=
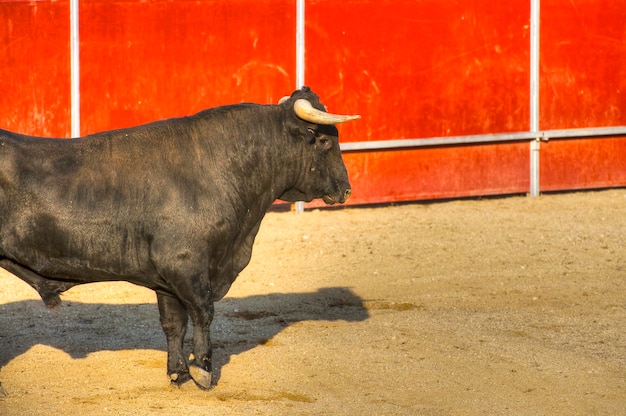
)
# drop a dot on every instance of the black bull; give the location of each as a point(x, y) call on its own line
point(173, 205)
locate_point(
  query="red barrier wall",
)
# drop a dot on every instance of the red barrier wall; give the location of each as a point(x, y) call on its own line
point(411, 69)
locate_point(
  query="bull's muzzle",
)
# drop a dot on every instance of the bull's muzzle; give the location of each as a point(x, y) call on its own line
point(331, 200)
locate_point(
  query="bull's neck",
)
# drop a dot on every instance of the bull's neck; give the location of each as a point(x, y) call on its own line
point(261, 160)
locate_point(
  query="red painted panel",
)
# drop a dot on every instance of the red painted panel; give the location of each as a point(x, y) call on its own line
point(438, 173)
point(425, 69)
point(580, 164)
point(143, 61)
point(583, 63)
point(421, 69)
point(34, 69)
point(583, 84)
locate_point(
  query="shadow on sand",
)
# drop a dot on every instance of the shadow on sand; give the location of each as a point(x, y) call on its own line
point(240, 324)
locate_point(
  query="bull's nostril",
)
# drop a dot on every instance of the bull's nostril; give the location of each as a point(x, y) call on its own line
point(347, 194)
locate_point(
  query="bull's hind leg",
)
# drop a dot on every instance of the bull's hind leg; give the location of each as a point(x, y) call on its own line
point(174, 322)
point(48, 289)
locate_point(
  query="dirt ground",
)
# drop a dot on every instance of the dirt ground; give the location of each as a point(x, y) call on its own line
point(511, 306)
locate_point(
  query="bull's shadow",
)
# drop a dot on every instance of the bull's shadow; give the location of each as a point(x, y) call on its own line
point(240, 324)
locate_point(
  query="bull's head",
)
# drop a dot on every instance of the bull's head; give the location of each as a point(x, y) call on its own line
point(322, 171)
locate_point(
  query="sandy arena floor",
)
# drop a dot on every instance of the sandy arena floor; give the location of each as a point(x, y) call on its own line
point(511, 306)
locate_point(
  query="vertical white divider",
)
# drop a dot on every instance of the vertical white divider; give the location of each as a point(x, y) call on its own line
point(300, 61)
point(74, 69)
point(534, 97)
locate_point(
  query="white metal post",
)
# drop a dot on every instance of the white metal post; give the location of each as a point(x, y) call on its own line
point(535, 144)
point(74, 69)
point(299, 44)
point(299, 62)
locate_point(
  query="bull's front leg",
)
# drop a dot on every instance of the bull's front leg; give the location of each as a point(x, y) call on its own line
point(174, 322)
point(200, 366)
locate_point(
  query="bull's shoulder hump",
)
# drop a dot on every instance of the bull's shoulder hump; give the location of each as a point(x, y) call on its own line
point(234, 110)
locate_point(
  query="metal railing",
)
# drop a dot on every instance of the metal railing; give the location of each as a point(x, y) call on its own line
point(542, 135)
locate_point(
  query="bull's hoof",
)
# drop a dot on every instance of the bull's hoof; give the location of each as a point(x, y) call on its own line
point(200, 376)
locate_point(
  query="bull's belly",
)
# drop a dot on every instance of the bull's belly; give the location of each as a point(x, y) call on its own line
point(80, 254)
point(84, 269)
point(89, 269)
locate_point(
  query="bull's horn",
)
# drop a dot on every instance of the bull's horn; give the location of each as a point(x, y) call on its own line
point(305, 111)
